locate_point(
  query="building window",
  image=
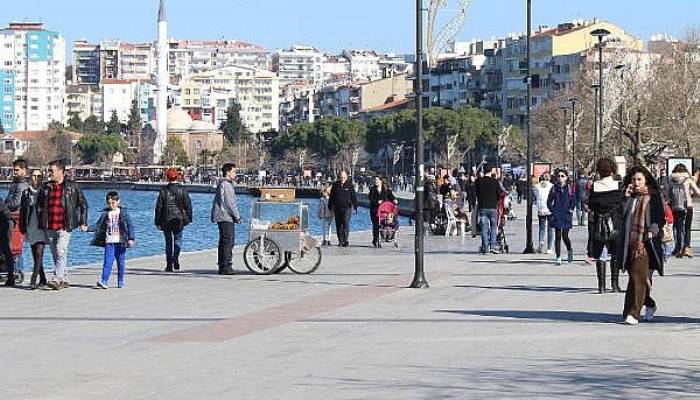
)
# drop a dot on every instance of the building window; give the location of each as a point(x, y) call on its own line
point(198, 144)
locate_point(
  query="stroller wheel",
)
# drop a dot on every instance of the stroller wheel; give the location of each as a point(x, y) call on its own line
point(19, 277)
point(506, 249)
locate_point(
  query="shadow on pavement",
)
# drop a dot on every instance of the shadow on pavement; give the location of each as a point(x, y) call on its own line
point(568, 316)
point(525, 288)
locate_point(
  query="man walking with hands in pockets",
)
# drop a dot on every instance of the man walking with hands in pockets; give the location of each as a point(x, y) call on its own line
point(224, 212)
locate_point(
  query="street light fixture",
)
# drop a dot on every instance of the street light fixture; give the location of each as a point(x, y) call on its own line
point(529, 248)
point(596, 89)
point(419, 280)
point(600, 34)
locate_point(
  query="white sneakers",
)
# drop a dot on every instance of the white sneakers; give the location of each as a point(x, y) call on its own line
point(550, 251)
point(649, 313)
point(630, 320)
point(558, 262)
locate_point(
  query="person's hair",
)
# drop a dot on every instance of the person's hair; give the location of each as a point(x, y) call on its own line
point(227, 167)
point(606, 167)
point(20, 162)
point(680, 168)
point(112, 196)
point(652, 183)
point(58, 163)
point(171, 174)
point(561, 171)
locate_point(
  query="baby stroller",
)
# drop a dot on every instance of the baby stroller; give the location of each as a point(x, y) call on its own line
point(388, 215)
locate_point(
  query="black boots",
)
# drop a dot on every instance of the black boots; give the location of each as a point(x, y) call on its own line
point(615, 279)
point(600, 271)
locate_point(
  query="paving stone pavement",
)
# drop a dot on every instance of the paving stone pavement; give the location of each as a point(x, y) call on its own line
point(492, 327)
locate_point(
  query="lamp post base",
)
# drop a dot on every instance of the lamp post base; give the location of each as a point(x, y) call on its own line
point(529, 250)
point(419, 283)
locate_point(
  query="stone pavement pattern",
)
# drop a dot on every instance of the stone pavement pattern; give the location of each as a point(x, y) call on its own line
point(506, 326)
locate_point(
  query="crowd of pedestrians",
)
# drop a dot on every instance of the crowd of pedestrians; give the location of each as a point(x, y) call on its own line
point(635, 222)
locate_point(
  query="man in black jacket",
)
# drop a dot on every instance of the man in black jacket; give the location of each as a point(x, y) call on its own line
point(343, 201)
point(20, 183)
point(61, 208)
point(488, 192)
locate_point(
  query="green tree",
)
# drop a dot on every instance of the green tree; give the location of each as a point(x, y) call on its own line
point(75, 123)
point(134, 125)
point(233, 127)
point(2, 128)
point(95, 148)
point(114, 127)
point(298, 136)
point(93, 125)
point(174, 152)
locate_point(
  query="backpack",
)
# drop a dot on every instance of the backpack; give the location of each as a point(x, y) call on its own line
point(604, 228)
point(679, 196)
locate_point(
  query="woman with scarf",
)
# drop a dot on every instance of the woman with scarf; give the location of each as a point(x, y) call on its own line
point(640, 251)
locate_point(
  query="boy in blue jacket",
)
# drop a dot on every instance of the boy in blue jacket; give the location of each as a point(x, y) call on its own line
point(115, 232)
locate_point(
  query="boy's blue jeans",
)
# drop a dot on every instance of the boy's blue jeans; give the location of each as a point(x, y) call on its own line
point(114, 251)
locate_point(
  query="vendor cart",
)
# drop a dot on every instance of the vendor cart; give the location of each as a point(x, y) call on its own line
point(279, 238)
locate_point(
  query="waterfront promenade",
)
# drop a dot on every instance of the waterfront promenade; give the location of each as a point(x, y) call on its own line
point(505, 326)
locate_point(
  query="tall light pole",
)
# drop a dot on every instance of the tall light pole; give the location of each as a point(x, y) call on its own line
point(596, 89)
point(529, 249)
point(565, 135)
point(600, 34)
point(419, 280)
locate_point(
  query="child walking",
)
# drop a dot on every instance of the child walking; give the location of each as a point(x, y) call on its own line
point(115, 232)
point(325, 215)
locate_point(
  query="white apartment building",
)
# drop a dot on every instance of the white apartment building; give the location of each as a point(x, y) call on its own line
point(118, 95)
point(364, 64)
point(188, 57)
point(32, 82)
point(334, 68)
point(298, 64)
point(207, 95)
point(83, 101)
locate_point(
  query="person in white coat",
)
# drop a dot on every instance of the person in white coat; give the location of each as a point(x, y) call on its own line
point(541, 193)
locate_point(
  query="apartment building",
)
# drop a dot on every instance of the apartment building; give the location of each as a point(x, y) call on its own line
point(32, 79)
point(299, 64)
point(364, 64)
point(118, 95)
point(207, 95)
point(557, 54)
point(188, 57)
point(83, 101)
point(112, 59)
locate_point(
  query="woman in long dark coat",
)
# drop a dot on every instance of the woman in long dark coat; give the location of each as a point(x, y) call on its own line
point(561, 204)
point(640, 248)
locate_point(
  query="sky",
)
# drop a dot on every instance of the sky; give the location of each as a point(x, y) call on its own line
point(332, 25)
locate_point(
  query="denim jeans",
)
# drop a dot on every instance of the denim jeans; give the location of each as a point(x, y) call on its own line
point(58, 241)
point(543, 223)
point(114, 251)
point(173, 245)
point(489, 228)
point(326, 228)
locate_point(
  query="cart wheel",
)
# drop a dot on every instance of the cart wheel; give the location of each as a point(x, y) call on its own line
point(19, 277)
point(262, 256)
point(305, 262)
point(507, 249)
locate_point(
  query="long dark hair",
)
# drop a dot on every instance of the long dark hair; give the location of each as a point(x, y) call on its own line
point(652, 183)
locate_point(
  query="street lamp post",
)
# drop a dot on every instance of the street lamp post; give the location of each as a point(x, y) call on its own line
point(529, 249)
point(565, 135)
point(596, 89)
point(600, 34)
point(419, 280)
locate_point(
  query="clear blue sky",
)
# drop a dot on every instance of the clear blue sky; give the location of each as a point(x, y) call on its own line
point(386, 25)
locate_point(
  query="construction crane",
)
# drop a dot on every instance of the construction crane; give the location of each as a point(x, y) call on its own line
point(437, 41)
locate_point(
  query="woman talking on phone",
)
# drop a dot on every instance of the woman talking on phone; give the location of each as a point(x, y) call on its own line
point(640, 251)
